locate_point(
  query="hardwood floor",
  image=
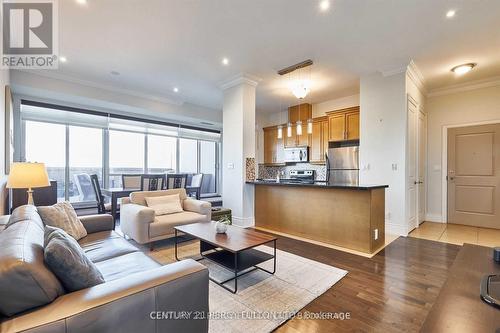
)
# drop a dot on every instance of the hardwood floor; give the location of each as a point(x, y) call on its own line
point(391, 292)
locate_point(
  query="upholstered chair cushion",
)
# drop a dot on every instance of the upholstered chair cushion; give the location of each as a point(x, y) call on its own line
point(62, 215)
point(167, 204)
point(66, 259)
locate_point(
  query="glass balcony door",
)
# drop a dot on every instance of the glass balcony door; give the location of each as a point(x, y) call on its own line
point(126, 155)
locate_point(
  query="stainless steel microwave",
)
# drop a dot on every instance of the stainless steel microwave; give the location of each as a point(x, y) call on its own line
point(296, 154)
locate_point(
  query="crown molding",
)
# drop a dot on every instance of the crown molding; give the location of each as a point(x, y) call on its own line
point(416, 76)
point(239, 79)
point(66, 78)
point(473, 85)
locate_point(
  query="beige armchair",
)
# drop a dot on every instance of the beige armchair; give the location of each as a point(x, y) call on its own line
point(139, 222)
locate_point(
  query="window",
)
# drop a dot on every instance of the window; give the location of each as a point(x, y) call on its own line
point(46, 143)
point(75, 143)
point(188, 156)
point(126, 155)
point(208, 166)
point(85, 158)
point(162, 154)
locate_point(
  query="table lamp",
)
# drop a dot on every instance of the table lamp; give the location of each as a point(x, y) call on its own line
point(28, 175)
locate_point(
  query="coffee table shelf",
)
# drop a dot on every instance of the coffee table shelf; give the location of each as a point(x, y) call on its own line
point(246, 259)
point(234, 250)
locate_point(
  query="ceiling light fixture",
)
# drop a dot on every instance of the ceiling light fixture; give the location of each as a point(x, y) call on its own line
point(225, 61)
point(176, 90)
point(81, 2)
point(324, 5)
point(450, 13)
point(62, 59)
point(115, 73)
point(462, 69)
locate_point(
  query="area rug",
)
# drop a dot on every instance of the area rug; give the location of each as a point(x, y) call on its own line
point(263, 301)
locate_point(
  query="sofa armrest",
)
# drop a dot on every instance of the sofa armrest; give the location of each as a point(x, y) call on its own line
point(137, 213)
point(135, 220)
point(135, 303)
point(199, 206)
point(96, 223)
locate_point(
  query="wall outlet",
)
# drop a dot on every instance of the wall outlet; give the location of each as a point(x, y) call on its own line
point(375, 234)
point(388, 216)
point(394, 166)
point(230, 165)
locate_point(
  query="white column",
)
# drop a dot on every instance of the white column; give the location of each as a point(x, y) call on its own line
point(238, 143)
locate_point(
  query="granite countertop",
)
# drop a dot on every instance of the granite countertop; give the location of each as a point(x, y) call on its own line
point(320, 184)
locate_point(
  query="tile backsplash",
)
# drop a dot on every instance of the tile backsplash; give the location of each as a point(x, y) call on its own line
point(270, 172)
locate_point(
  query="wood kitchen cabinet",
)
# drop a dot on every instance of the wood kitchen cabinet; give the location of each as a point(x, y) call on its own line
point(318, 140)
point(343, 124)
point(273, 147)
point(296, 140)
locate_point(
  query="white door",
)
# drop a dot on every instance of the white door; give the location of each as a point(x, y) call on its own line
point(412, 159)
point(422, 153)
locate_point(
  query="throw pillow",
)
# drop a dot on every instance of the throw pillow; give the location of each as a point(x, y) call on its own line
point(167, 204)
point(66, 259)
point(62, 215)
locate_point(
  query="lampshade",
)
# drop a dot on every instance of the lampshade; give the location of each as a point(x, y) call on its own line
point(28, 175)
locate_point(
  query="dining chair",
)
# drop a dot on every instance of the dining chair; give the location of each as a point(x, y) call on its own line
point(176, 180)
point(151, 182)
point(195, 186)
point(132, 181)
point(102, 207)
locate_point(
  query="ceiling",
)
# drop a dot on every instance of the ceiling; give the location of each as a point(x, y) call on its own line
point(157, 45)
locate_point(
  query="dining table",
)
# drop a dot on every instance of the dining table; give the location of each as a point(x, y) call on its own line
point(114, 193)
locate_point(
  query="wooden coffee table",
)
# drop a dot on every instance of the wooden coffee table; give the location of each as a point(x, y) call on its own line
point(234, 250)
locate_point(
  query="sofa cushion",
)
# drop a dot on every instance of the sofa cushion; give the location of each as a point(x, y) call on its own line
point(139, 198)
point(98, 249)
point(164, 225)
point(62, 215)
point(68, 262)
point(166, 204)
point(25, 281)
point(121, 266)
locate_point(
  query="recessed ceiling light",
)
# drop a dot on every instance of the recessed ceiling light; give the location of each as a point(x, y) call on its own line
point(324, 5)
point(81, 2)
point(115, 73)
point(62, 59)
point(450, 13)
point(176, 90)
point(462, 69)
point(225, 61)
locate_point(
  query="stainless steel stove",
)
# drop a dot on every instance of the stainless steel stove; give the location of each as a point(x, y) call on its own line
point(301, 176)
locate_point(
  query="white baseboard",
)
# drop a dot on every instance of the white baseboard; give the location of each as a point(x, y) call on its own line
point(434, 218)
point(244, 222)
point(396, 229)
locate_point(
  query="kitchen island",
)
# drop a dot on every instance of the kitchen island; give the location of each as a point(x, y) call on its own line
point(342, 215)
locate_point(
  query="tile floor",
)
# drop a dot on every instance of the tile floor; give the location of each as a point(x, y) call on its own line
point(457, 234)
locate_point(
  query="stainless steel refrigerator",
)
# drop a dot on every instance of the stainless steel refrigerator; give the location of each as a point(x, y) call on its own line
point(343, 163)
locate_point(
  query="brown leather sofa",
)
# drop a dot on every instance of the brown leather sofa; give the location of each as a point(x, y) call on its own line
point(138, 295)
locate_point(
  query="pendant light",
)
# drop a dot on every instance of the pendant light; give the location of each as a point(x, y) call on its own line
point(299, 124)
point(280, 131)
point(309, 126)
point(289, 129)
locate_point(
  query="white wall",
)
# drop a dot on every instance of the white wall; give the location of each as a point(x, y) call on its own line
point(320, 109)
point(466, 107)
point(83, 94)
point(237, 145)
point(4, 80)
point(382, 142)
